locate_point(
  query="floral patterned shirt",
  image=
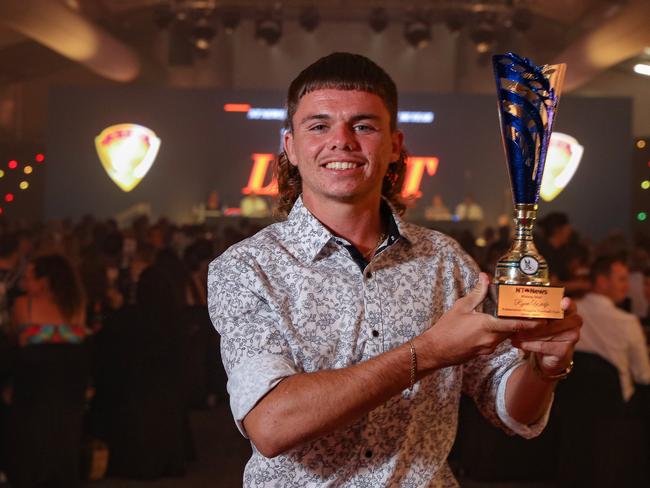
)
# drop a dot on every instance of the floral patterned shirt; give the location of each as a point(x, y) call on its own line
point(292, 299)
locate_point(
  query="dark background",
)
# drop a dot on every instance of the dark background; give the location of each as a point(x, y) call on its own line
point(205, 148)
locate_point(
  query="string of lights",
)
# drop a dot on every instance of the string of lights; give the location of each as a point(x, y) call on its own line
point(16, 177)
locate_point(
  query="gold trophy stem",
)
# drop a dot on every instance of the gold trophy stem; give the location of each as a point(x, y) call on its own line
point(524, 217)
point(509, 267)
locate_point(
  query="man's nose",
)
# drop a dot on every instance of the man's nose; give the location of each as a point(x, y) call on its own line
point(343, 138)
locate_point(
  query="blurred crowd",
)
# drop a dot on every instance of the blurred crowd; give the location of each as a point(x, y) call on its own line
point(106, 343)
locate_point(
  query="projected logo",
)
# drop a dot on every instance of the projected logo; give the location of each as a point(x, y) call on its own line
point(127, 152)
point(562, 160)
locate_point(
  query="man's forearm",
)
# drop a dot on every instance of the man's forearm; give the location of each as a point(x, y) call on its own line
point(305, 406)
point(528, 395)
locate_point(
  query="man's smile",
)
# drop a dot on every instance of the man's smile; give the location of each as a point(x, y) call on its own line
point(342, 165)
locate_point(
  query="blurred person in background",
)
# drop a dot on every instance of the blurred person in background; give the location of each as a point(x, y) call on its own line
point(557, 247)
point(139, 406)
point(645, 320)
point(468, 209)
point(254, 206)
point(437, 210)
point(9, 277)
point(610, 332)
point(639, 263)
point(49, 377)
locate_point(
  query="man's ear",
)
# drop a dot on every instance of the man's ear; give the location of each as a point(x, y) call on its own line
point(288, 147)
point(397, 144)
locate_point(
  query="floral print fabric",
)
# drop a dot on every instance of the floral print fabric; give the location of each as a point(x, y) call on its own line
point(291, 299)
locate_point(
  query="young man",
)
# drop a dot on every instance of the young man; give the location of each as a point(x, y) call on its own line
point(349, 334)
point(609, 331)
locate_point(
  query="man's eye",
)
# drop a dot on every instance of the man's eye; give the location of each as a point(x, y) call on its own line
point(318, 127)
point(363, 128)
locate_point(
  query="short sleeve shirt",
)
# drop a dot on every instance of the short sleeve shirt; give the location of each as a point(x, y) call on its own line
point(292, 299)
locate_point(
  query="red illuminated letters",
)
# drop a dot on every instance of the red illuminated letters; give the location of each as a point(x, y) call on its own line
point(261, 163)
point(415, 167)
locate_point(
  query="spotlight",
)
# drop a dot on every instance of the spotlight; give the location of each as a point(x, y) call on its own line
point(230, 18)
point(378, 19)
point(454, 19)
point(417, 32)
point(309, 18)
point(483, 34)
point(268, 29)
point(202, 34)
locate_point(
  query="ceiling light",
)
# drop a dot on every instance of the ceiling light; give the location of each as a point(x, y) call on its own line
point(454, 19)
point(417, 32)
point(378, 19)
point(268, 29)
point(642, 69)
point(484, 34)
point(230, 18)
point(202, 34)
point(309, 18)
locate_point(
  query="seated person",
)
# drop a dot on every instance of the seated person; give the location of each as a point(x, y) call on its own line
point(437, 210)
point(468, 209)
point(610, 332)
point(254, 206)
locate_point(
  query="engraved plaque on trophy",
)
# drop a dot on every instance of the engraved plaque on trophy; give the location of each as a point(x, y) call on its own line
point(528, 97)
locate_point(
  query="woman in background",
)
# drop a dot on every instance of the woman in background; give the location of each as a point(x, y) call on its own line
point(49, 377)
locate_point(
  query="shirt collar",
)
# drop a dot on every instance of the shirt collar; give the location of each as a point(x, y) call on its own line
point(309, 235)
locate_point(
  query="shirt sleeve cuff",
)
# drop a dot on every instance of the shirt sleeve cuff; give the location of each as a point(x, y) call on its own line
point(251, 380)
point(523, 430)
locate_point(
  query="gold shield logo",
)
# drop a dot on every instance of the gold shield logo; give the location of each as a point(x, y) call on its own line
point(127, 152)
point(562, 160)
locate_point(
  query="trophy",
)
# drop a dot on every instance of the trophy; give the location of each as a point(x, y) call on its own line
point(528, 97)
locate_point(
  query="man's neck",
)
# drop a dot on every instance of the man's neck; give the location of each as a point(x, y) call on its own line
point(360, 223)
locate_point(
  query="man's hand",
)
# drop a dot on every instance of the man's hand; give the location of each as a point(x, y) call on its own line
point(554, 342)
point(463, 333)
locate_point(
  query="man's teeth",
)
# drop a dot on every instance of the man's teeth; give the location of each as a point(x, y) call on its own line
point(341, 165)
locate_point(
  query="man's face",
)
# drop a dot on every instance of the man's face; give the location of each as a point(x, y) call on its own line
point(342, 145)
point(617, 284)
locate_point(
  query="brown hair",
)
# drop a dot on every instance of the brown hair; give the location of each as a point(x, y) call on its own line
point(602, 266)
point(340, 71)
point(63, 283)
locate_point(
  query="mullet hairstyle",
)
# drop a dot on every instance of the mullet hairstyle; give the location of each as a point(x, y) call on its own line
point(340, 71)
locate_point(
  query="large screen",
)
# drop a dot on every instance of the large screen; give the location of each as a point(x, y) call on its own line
point(214, 139)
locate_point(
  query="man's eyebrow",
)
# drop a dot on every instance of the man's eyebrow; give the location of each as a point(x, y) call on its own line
point(309, 118)
point(354, 118)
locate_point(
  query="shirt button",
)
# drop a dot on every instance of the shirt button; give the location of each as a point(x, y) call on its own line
point(368, 453)
point(375, 333)
point(368, 274)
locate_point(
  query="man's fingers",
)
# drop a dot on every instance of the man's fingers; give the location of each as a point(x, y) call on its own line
point(512, 325)
point(557, 345)
point(568, 305)
point(553, 328)
point(475, 297)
